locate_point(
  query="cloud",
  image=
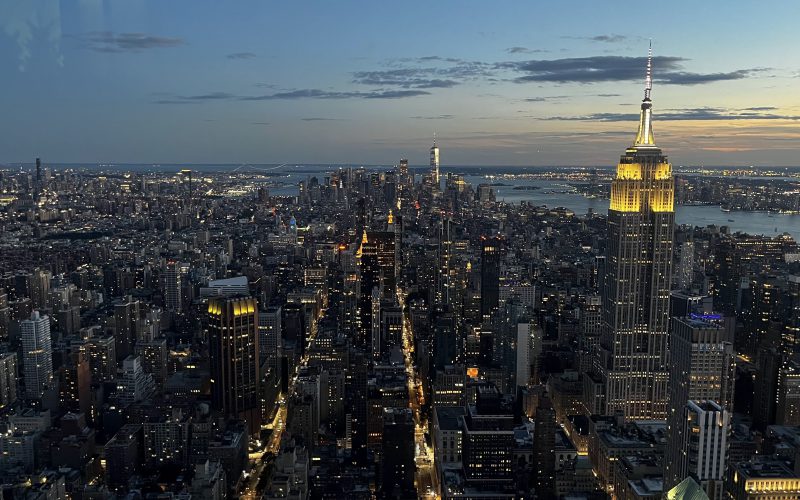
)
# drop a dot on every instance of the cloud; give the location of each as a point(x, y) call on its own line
point(547, 98)
point(327, 94)
point(320, 119)
point(261, 123)
point(684, 78)
point(524, 50)
point(451, 73)
point(689, 114)
point(668, 70)
point(608, 38)
point(107, 41)
point(612, 38)
point(294, 94)
point(436, 117)
point(213, 96)
point(175, 101)
point(241, 55)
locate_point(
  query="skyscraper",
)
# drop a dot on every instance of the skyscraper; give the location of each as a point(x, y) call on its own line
point(37, 355)
point(8, 378)
point(435, 163)
point(377, 271)
point(706, 428)
point(233, 346)
point(639, 259)
point(491, 255)
point(702, 371)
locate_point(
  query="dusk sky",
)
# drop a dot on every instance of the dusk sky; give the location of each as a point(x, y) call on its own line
point(500, 83)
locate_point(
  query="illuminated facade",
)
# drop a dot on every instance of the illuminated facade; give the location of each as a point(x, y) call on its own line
point(233, 348)
point(435, 164)
point(702, 372)
point(632, 358)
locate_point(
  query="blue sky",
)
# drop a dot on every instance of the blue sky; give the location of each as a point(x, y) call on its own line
point(500, 83)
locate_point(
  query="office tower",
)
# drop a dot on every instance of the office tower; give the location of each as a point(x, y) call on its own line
point(126, 313)
point(435, 164)
point(378, 260)
point(376, 342)
point(5, 316)
point(269, 336)
point(75, 378)
point(404, 179)
point(377, 271)
point(488, 440)
point(702, 368)
point(356, 389)
point(234, 352)
point(135, 385)
point(37, 355)
point(787, 407)
point(684, 274)
point(544, 443)
point(704, 455)
point(524, 350)
point(443, 278)
point(397, 449)
point(172, 287)
point(491, 256)
point(391, 326)
point(153, 354)
point(39, 288)
point(8, 379)
point(446, 342)
point(123, 455)
point(638, 275)
point(102, 358)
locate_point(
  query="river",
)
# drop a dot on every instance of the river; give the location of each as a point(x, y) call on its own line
point(558, 194)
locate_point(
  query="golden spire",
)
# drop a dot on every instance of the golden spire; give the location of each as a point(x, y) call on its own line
point(390, 219)
point(644, 137)
point(364, 237)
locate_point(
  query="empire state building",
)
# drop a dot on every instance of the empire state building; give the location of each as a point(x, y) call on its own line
point(632, 361)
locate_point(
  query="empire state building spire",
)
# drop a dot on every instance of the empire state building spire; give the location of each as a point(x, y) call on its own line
point(644, 138)
point(633, 356)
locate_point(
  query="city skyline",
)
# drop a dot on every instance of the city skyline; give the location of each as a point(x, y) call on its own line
point(520, 86)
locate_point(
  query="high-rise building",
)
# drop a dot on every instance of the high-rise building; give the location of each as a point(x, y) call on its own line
point(638, 275)
point(234, 353)
point(134, 385)
point(435, 164)
point(37, 354)
point(491, 256)
point(397, 447)
point(702, 368)
point(126, 312)
point(488, 440)
point(269, 336)
point(704, 451)
point(8, 378)
point(544, 443)
point(172, 287)
point(377, 271)
point(404, 179)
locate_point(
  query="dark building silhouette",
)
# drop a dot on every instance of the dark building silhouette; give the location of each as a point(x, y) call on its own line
point(491, 256)
point(397, 448)
point(233, 349)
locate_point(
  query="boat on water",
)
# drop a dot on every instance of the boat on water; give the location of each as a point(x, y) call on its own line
point(731, 220)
